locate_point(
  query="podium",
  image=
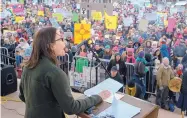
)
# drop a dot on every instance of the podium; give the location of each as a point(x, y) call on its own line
point(148, 110)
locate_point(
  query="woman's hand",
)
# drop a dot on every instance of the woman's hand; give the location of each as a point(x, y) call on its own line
point(105, 94)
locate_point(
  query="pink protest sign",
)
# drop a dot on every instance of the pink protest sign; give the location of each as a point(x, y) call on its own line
point(171, 24)
point(17, 8)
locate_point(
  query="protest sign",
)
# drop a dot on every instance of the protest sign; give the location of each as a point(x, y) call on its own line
point(19, 19)
point(75, 17)
point(66, 14)
point(78, 6)
point(58, 16)
point(143, 25)
point(110, 21)
point(68, 34)
point(127, 21)
point(17, 8)
point(151, 16)
point(96, 15)
point(40, 13)
point(173, 11)
point(54, 23)
point(171, 24)
point(81, 32)
point(9, 33)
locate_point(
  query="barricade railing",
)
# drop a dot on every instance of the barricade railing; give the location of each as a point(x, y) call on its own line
point(80, 76)
point(64, 63)
point(4, 56)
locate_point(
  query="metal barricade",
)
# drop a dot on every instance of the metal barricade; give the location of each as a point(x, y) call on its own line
point(130, 71)
point(4, 56)
point(151, 81)
point(64, 63)
point(84, 72)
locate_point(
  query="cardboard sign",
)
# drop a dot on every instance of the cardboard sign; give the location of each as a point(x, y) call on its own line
point(81, 32)
point(171, 24)
point(68, 34)
point(143, 25)
point(58, 16)
point(151, 16)
point(40, 13)
point(127, 21)
point(9, 33)
point(110, 21)
point(19, 19)
point(16, 8)
point(96, 15)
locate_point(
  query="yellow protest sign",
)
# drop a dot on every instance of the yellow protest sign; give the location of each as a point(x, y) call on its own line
point(96, 15)
point(165, 23)
point(58, 16)
point(110, 21)
point(40, 13)
point(18, 19)
point(83, 21)
point(81, 32)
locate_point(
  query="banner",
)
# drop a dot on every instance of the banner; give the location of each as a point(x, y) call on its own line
point(54, 23)
point(110, 21)
point(143, 25)
point(96, 15)
point(19, 19)
point(58, 16)
point(75, 17)
point(40, 13)
point(81, 32)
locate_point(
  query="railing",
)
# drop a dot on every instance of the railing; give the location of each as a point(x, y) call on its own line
point(4, 56)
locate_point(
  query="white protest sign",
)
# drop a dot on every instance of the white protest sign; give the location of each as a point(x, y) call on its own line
point(151, 16)
point(143, 25)
point(127, 21)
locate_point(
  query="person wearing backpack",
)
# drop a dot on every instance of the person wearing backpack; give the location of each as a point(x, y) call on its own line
point(164, 74)
point(140, 71)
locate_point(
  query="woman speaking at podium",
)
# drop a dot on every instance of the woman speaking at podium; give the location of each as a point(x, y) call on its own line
point(45, 87)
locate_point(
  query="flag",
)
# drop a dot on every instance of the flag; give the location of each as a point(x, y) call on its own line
point(110, 21)
point(96, 15)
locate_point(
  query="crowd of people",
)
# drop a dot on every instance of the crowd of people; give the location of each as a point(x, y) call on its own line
point(165, 52)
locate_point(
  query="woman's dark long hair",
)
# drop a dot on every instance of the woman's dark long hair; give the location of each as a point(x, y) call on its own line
point(42, 47)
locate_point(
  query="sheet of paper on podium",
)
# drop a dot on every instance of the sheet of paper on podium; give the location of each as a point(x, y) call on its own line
point(109, 84)
point(117, 96)
point(120, 109)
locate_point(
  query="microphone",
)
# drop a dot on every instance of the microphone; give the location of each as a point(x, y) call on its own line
point(85, 42)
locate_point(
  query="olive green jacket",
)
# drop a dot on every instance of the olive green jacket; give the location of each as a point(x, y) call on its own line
point(47, 94)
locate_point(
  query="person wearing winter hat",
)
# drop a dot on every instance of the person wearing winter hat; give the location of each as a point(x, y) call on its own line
point(164, 51)
point(119, 63)
point(182, 101)
point(130, 55)
point(99, 51)
point(107, 52)
point(181, 49)
point(164, 74)
point(116, 76)
point(134, 89)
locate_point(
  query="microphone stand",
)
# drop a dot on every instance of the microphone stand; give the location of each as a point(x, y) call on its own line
point(97, 59)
